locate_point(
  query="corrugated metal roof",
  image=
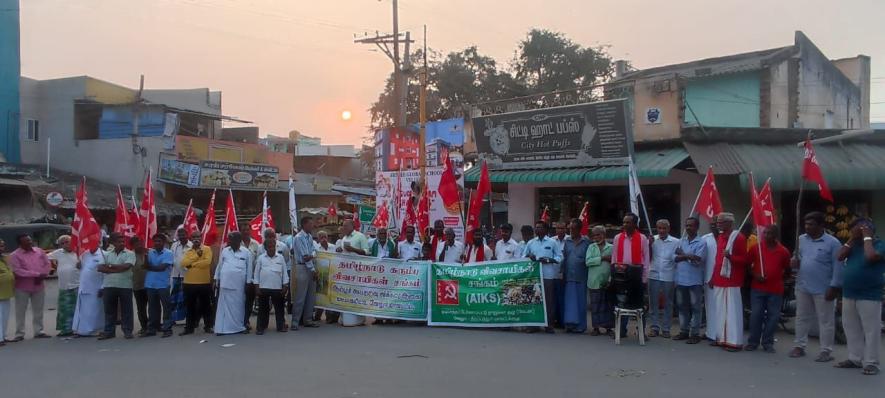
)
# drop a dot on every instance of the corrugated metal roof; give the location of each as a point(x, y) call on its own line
point(649, 163)
point(852, 165)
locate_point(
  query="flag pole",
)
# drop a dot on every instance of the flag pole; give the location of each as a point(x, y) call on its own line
point(696, 199)
point(799, 205)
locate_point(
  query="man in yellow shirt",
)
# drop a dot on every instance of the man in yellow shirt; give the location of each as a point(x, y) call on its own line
point(197, 263)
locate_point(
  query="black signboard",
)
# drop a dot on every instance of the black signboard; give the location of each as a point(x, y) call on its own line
point(568, 136)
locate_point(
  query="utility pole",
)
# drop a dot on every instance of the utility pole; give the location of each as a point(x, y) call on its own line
point(400, 68)
point(136, 148)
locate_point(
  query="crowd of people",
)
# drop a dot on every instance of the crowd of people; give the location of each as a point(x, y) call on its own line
point(701, 278)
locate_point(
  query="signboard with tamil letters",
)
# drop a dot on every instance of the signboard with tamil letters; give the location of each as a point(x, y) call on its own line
point(238, 175)
point(592, 134)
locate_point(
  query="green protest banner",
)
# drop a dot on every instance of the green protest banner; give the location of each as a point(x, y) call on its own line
point(376, 287)
point(492, 294)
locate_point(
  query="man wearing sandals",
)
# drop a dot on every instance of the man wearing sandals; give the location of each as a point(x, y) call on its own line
point(864, 257)
point(818, 284)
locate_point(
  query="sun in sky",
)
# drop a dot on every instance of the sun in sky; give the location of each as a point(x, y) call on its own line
point(345, 115)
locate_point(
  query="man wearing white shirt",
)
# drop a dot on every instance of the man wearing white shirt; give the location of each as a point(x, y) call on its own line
point(507, 248)
point(322, 245)
point(233, 272)
point(272, 280)
point(450, 251)
point(409, 249)
point(661, 277)
point(251, 290)
point(709, 266)
point(176, 298)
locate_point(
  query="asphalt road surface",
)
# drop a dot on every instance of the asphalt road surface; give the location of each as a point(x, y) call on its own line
point(410, 361)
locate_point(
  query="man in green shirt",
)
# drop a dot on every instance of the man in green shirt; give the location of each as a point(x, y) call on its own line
point(116, 290)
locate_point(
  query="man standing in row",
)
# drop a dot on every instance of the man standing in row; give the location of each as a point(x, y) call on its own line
point(305, 273)
point(690, 259)
point(176, 297)
point(817, 286)
point(507, 248)
point(409, 249)
point(30, 266)
point(728, 277)
point(630, 255)
point(574, 273)
point(660, 279)
point(710, 266)
point(89, 313)
point(545, 250)
point(477, 251)
point(67, 267)
point(382, 247)
point(156, 284)
point(116, 289)
point(450, 250)
point(197, 263)
point(767, 289)
point(233, 273)
point(139, 293)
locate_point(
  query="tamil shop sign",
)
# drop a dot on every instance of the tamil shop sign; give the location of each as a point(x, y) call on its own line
point(590, 134)
point(238, 175)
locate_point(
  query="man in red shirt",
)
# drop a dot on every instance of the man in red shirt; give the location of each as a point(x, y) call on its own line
point(767, 289)
point(728, 277)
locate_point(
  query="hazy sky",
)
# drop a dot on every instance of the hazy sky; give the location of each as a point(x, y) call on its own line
point(292, 64)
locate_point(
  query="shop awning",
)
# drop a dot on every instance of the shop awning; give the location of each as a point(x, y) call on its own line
point(649, 164)
point(851, 165)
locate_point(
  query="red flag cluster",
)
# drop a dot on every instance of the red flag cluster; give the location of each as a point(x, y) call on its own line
point(190, 219)
point(126, 222)
point(261, 222)
point(210, 228)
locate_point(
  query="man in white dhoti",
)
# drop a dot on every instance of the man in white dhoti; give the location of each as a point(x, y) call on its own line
point(89, 311)
point(728, 277)
point(709, 265)
point(233, 272)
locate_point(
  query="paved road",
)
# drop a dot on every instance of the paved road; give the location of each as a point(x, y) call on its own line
point(411, 361)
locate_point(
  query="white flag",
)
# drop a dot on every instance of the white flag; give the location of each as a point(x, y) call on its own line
point(264, 213)
point(635, 193)
point(293, 209)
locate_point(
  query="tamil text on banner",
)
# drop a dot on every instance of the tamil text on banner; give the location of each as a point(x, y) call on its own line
point(567, 136)
point(493, 294)
point(385, 188)
point(380, 288)
point(238, 175)
point(173, 170)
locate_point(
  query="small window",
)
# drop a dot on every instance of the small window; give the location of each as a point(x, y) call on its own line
point(33, 130)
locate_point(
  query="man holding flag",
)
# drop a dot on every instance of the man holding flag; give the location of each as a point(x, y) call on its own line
point(771, 264)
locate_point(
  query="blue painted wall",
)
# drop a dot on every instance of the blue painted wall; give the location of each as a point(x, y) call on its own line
point(10, 71)
point(723, 101)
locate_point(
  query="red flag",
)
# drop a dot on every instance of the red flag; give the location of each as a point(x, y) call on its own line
point(448, 188)
point(767, 202)
point(261, 222)
point(126, 221)
point(210, 228)
point(483, 188)
point(135, 220)
point(423, 216)
point(190, 219)
point(356, 218)
point(85, 232)
point(333, 211)
point(545, 216)
point(147, 215)
point(411, 219)
point(382, 216)
point(230, 218)
point(811, 172)
point(758, 207)
point(585, 219)
point(708, 203)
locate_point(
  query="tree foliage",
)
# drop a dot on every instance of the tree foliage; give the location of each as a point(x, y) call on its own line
point(544, 61)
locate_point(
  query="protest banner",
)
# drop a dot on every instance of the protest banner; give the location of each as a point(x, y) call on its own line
point(380, 288)
point(385, 186)
point(492, 294)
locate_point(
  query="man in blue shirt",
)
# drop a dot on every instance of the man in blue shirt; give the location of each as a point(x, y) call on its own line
point(690, 259)
point(574, 273)
point(156, 283)
point(545, 250)
point(864, 257)
point(818, 285)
